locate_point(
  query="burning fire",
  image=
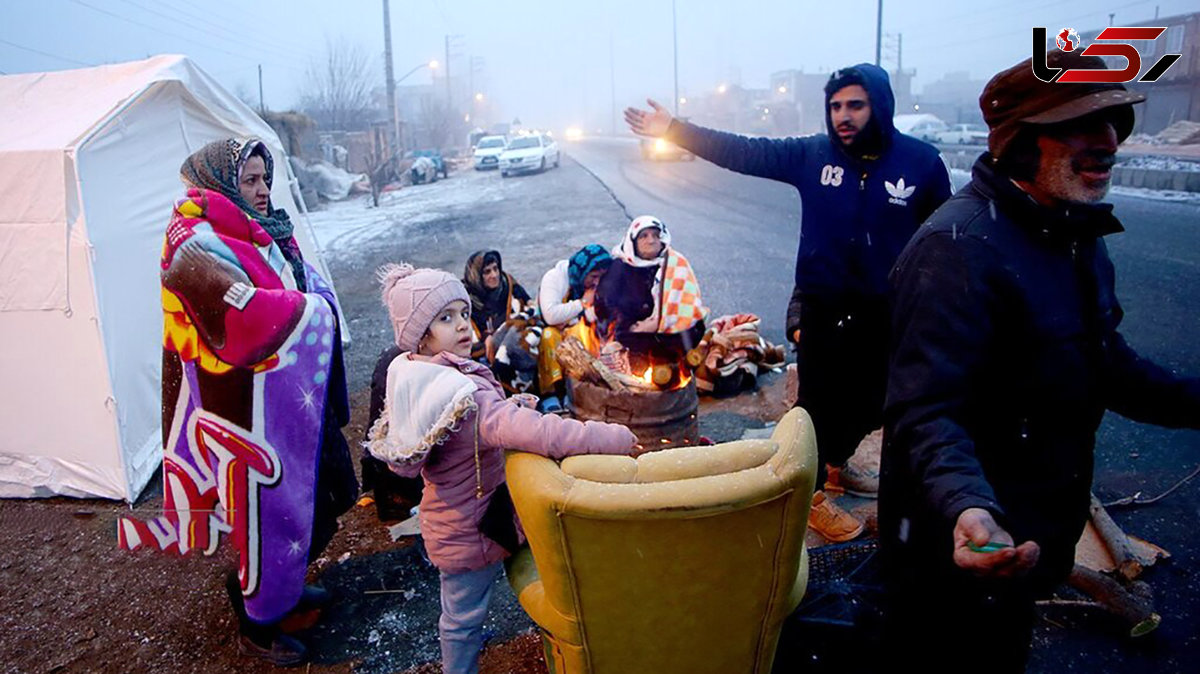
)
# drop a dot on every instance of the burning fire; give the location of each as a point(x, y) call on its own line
point(595, 343)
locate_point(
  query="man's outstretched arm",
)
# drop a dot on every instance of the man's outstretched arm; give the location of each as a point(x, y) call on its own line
point(774, 158)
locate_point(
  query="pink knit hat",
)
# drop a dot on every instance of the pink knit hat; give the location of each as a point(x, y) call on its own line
point(414, 297)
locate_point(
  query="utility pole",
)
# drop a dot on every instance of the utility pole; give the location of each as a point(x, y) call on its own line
point(262, 108)
point(612, 83)
point(448, 104)
point(900, 52)
point(391, 78)
point(675, 50)
point(878, 32)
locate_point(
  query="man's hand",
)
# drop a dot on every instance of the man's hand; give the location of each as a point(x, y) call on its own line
point(976, 525)
point(589, 297)
point(796, 336)
point(653, 124)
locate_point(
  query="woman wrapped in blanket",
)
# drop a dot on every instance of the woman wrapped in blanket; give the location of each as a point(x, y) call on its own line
point(651, 295)
point(254, 396)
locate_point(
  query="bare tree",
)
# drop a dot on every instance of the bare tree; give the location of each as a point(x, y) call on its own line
point(437, 121)
point(337, 87)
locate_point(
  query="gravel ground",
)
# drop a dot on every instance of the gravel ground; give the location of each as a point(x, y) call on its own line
point(72, 602)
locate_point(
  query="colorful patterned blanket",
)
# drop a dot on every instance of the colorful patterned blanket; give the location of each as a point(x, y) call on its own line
point(252, 480)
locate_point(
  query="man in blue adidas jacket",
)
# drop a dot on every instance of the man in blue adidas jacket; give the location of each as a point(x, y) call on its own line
point(865, 189)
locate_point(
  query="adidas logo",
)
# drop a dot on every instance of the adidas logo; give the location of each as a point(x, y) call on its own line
point(899, 192)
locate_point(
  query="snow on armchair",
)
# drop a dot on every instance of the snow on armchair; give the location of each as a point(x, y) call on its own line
point(683, 560)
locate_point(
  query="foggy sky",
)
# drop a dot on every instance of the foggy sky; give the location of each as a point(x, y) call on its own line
point(548, 62)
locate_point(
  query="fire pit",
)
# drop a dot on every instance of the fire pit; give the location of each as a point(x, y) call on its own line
point(659, 418)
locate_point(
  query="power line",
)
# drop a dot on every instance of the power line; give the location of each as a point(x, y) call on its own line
point(189, 39)
point(42, 53)
point(243, 9)
point(257, 41)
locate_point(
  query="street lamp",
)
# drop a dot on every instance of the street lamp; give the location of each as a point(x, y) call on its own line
point(683, 100)
point(782, 89)
point(432, 65)
point(478, 97)
point(722, 89)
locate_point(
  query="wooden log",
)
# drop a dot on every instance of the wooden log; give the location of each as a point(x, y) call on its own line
point(662, 375)
point(581, 365)
point(1114, 538)
point(578, 363)
point(1132, 604)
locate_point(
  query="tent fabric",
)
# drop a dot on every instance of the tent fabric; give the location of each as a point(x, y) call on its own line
point(89, 169)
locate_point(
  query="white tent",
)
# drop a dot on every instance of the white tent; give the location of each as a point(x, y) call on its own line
point(89, 169)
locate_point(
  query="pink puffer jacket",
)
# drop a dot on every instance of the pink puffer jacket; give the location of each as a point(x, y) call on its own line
point(450, 508)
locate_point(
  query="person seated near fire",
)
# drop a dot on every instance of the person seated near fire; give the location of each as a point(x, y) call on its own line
point(495, 296)
point(650, 300)
point(566, 298)
point(504, 319)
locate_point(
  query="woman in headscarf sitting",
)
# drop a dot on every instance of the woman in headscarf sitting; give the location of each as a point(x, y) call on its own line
point(565, 298)
point(503, 317)
point(495, 296)
point(668, 320)
point(254, 396)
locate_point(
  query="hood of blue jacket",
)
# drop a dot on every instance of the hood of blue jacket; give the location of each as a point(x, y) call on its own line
point(883, 101)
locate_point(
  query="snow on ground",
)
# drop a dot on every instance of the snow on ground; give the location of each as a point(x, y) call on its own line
point(959, 177)
point(1157, 195)
point(343, 226)
point(1160, 163)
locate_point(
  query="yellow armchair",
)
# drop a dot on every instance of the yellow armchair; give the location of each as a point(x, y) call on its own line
point(684, 560)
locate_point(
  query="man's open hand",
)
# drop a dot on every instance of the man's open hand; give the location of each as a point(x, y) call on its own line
point(976, 525)
point(643, 123)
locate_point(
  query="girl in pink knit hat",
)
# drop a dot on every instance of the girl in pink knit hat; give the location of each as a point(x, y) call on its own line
point(446, 418)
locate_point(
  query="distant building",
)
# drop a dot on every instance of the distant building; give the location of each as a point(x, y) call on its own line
point(804, 93)
point(954, 98)
point(1176, 95)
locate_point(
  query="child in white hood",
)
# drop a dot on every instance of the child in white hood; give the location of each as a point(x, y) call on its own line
point(447, 419)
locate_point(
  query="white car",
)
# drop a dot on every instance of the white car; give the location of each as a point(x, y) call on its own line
point(535, 152)
point(487, 152)
point(964, 134)
point(922, 127)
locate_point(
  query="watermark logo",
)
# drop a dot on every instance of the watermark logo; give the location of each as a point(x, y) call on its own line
point(1068, 40)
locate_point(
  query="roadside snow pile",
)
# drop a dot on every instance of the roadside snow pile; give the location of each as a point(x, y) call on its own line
point(330, 182)
point(1157, 195)
point(1183, 132)
point(1160, 163)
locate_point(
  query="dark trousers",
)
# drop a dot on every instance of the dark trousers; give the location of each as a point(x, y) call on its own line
point(937, 624)
point(841, 363)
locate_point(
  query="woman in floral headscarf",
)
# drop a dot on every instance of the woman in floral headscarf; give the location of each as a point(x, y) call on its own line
point(254, 395)
point(565, 299)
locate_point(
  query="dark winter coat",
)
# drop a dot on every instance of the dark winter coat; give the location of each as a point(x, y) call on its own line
point(857, 212)
point(490, 308)
point(1005, 355)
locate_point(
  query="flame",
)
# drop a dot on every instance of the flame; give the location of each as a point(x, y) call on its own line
point(587, 336)
point(594, 342)
point(685, 376)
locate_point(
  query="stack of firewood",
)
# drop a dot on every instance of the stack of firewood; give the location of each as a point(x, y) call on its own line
point(581, 365)
point(1108, 563)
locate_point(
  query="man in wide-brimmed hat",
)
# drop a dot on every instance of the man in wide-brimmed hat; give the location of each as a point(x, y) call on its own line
point(1005, 355)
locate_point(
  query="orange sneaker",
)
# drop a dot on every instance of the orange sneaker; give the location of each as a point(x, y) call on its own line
point(829, 520)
